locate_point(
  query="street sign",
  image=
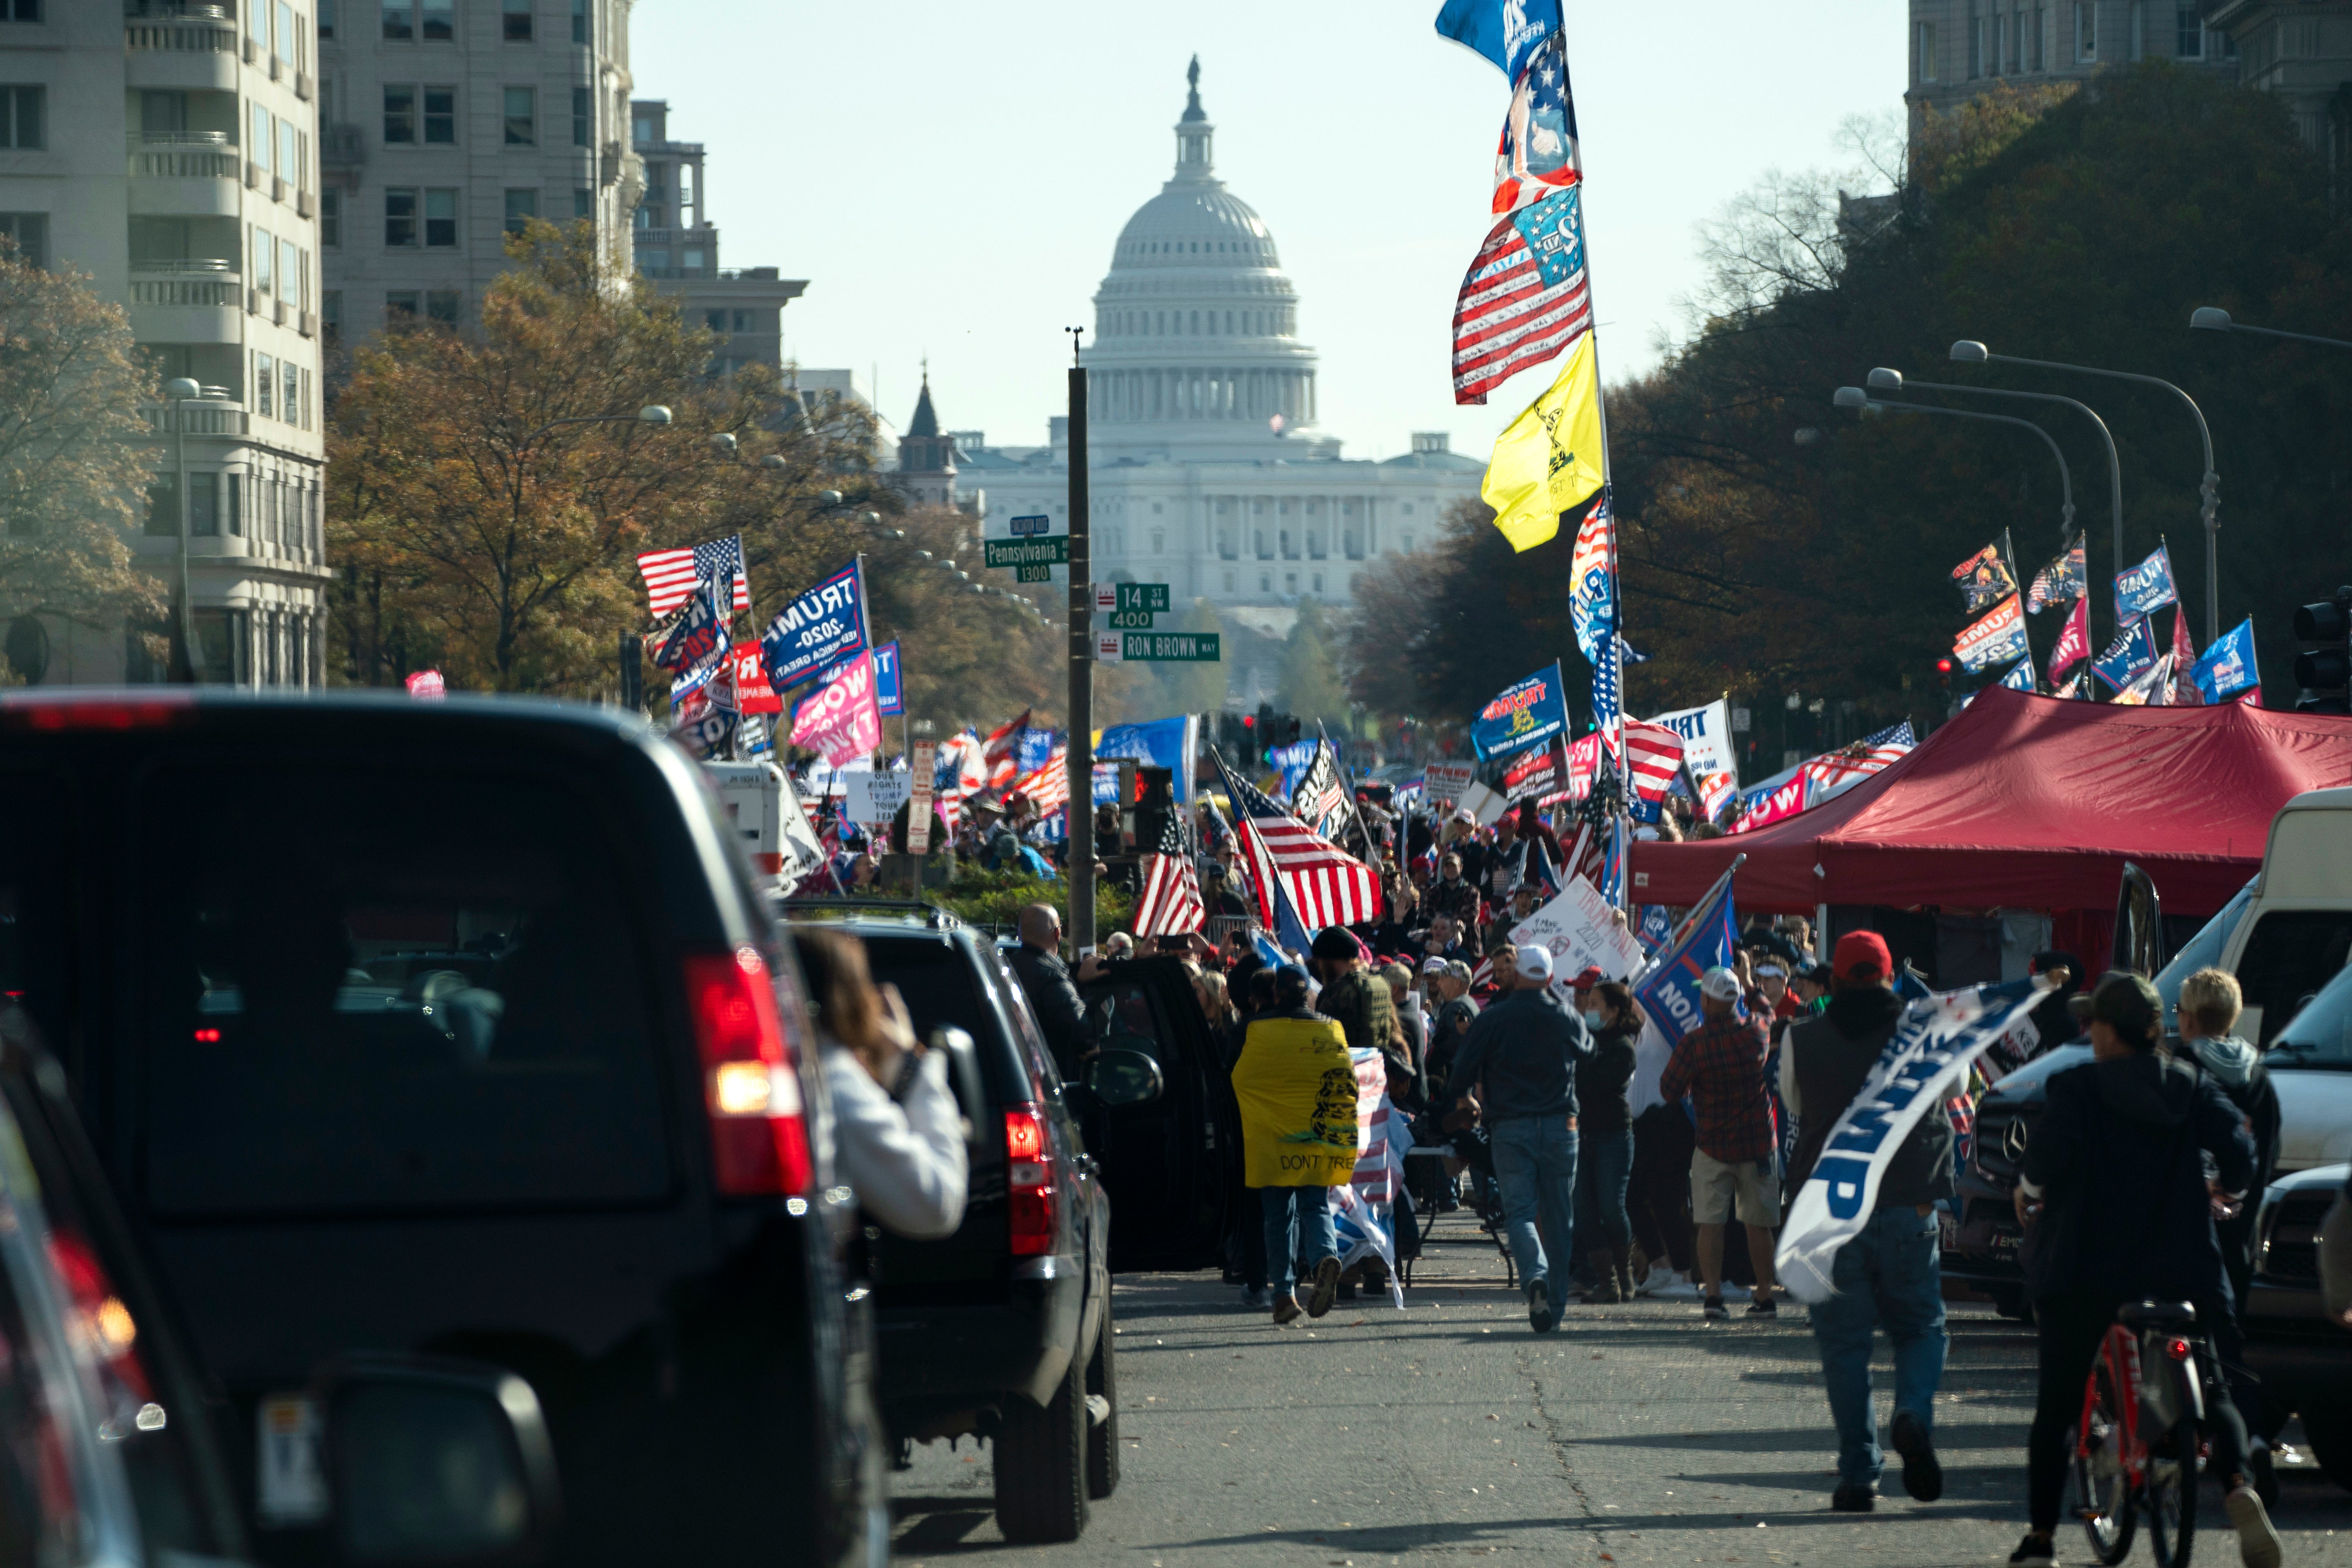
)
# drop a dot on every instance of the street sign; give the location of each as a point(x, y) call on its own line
point(1116, 596)
point(1053, 552)
point(1137, 620)
point(1033, 574)
point(1109, 647)
point(1025, 527)
point(1172, 648)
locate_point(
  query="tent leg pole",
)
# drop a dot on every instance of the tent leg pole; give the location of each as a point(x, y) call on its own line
point(1820, 934)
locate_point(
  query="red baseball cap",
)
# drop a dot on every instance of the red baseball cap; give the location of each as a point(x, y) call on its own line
point(1859, 952)
point(1587, 978)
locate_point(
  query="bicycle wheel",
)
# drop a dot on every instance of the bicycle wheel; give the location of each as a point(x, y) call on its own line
point(2103, 1498)
point(2171, 1496)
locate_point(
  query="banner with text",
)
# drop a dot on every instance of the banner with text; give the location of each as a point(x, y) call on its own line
point(1524, 713)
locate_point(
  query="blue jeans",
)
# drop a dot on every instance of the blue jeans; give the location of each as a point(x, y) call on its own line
point(1535, 1162)
point(1288, 1212)
point(1889, 1276)
point(1605, 1164)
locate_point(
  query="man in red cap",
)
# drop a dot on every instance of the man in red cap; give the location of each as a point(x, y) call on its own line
point(1890, 1275)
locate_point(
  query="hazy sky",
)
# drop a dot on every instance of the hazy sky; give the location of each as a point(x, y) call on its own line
point(949, 177)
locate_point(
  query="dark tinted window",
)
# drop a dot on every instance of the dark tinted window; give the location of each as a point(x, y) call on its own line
point(388, 990)
point(33, 834)
point(2290, 956)
point(2320, 1035)
point(941, 988)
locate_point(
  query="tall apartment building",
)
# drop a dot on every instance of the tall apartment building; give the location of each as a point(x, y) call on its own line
point(171, 154)
point(678, 247)
point(1960, 49)
point(2302, 50)
point(446, 122)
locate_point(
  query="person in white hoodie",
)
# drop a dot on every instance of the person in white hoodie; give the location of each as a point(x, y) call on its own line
point(898, 1132)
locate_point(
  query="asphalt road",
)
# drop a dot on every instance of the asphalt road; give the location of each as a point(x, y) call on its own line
point(1635, 1434)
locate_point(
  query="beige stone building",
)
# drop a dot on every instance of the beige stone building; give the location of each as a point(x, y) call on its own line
point(2302, 50)
point(1959, 49)
point(676, 245)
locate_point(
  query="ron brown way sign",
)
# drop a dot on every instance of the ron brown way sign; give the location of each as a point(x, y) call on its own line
point(1177, 647)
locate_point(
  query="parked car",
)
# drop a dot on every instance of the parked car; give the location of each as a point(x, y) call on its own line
point(2304, 1359)
point(453, 1030)
point(1004, 1330)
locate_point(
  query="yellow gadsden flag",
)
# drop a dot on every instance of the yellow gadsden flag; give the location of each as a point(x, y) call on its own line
point(1297, 1086)
point(1549, 458)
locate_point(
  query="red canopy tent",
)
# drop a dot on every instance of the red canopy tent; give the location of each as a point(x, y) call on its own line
point(2033, 803)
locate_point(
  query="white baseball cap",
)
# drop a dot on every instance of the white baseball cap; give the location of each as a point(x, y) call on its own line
point(1535, 962)
point(1720, 984)
point(1433, 966)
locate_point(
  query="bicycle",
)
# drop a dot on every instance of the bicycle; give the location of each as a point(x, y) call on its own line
point(2142, 1434)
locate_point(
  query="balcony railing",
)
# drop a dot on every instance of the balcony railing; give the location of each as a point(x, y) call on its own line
point(340, 145)
point(171, 162)
point(180, 35)
point(219, 293)
point(203, 418)
point(184, 267)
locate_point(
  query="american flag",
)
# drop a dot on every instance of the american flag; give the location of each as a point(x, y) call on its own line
point(1525, 299)
point(1587, 855)
point(670, 574)
point(1538, 154)
point(1326, 885)
point(1607, 677)
point(1835, 770)
point(1171, 887)
point(1592, 587)
point(1001, 751)
point(1653, 755)
point(1048, 786)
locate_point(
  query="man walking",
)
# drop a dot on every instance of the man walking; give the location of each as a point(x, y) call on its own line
point(1720, 1065)
point(1889, 1275)
point(1521, 1054)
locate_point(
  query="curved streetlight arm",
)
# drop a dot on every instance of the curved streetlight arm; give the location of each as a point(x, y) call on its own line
point(1885, 380)
point(2208, 319)
point(2065, 478)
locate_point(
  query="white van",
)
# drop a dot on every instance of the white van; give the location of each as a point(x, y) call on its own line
point(757, 801)
point(2286, 936)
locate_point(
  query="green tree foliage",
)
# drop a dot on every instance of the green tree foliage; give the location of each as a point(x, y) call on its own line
point(2080, 227)
point(1310, 687)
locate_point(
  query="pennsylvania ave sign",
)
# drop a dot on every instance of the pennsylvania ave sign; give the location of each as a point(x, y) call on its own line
point(1053, 552)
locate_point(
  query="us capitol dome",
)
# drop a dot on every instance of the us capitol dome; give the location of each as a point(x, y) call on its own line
point(1207, 469)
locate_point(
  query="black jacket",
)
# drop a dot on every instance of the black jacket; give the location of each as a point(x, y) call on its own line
point(1833, 1053)
point(1600, 1080)
point(2115, 1156)
point(1525, 1050)
point(1060, 1015)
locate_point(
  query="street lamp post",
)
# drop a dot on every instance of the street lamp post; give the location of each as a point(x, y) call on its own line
point(180, 390)
point(1885, 380)
point(1855, 398)
point(2210, 319)
point(2208, 490)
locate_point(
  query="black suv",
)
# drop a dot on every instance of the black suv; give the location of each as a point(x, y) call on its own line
point(456, 1029)
point(1004, 1329)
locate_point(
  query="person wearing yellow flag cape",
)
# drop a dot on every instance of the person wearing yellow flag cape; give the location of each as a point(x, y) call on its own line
point(1550, 458)
point(1297, 1086)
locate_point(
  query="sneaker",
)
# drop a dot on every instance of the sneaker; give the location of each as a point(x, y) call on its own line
point(1604, 1294)
point(1923, 1473)
point(1286, 1307)
point(1715, 1308)
point(2034, 1552)
point(1540, 1316)
point(1326, 1285)
point(1763, 1307)
point(1254, 1302)
point(1854, 1497)
point(2258, 1543)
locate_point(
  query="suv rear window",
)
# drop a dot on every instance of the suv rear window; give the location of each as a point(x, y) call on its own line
point(389, 990)
point(2291, 953)
point(941, 988)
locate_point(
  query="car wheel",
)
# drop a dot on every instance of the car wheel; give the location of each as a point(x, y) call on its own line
point(1102, 1437)
point(2330, 1436)
point(1040, 1464)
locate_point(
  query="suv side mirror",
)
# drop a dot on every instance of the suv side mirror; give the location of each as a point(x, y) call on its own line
point(963, 1076)
point(1124, 1077)
point(436, 1461)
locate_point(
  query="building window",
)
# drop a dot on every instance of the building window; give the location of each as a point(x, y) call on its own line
point(289, 154)
point(742, 322)
point(583, 203)
point(440, 21)
point(292, 275)
point(287, 42)
point(331, 217)
point(31, 11)
point(264, 383)
point(641, 130)
point(580, 21)
point(400, 216)
point(204, 505)
point(327, 17)
point(1233, 582)
point(29, 233)
point(400, 306)
point(330, 314)
point(715, 319)
point(399, 22)
point(399, 115)
point(522, 117)
point(290, 387)
point(2188, 33)
point(163, 507)
point(521, 208)
point(516, 16)
point(441, 218)
point(441, 116)
point(2086, 30)
point(2041, 30)
point(265, 249)
point(442, 305)
point(1266, 582)
point(583, 117)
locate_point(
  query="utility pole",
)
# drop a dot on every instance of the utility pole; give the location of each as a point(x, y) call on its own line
point(1081, 754)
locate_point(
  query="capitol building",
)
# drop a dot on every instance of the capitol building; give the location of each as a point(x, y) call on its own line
point(1208, 469)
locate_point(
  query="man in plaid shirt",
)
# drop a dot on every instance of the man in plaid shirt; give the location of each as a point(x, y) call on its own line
point(1720, 1065)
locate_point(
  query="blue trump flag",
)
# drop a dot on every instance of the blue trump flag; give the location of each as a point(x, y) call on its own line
point(1164, 743)
point(1709, 936)
point(1292, 762)
point(889, 695)
point(1525, 713)
point(822, 626)
point(1504, 31)
point(2019, 676)
point(2147, 586)
point(2129, 656)
point(2228, 666)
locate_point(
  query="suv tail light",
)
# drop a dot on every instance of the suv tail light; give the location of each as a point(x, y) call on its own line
point(1029, 1157)
point(751, 1086)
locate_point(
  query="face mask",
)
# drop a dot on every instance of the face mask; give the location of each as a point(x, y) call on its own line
point(1593, 1020)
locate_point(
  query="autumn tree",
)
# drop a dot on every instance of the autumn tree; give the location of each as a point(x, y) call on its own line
point(76, 454)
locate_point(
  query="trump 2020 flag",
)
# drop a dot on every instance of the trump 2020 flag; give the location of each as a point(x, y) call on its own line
point(1592, 581)
point(1995, 639)
point(822, 626)
point(1525, 713)
point(2147, 586)
point(1938, 1040)
point(2021, 674)
point(1525, 298)
point(841, 718)
point(2228, 666)
point(2073, 644)
point(1505, 32)
point(1669, 993)
point(1538, 155)
point(1549, 458)
point(2129, 656)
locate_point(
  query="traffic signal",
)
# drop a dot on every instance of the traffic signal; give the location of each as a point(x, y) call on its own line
point(2324, 672)
point(1944, 672)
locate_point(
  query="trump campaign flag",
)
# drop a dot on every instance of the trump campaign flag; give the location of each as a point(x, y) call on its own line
point(692, 643)
point(2074, 639)
point(840, 718)
point(1525, 713)
point(1762, 808)
point(1505, 32)
point(822, 626)
point(1937, 1041)
point(753, 692)
point(1549, 458)
point(2147, 586)
point(1706, 738)
point(2129, 656)
point(1995, 639)
point(2228, 666)
point(1592, 583)
point(2181, 691)
point(1525, 297)
point(1538, 155)
point(1708, 937)
point(1984, 577)
point(2020, 676)
point(2059, 581)
point(889, 695)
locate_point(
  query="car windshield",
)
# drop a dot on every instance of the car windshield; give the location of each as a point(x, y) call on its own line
point(2202, 951)
point(2290, 957)
point(2321, 1035)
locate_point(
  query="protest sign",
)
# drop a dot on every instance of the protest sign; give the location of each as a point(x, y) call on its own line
point(874, 798)
point(1483, 803)
point(1581, 930)
point(1525, 713)
point(1706, 738)
point(840, 718)
point(1443, 784)
point(1295, 1084)
point(1537, 775)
